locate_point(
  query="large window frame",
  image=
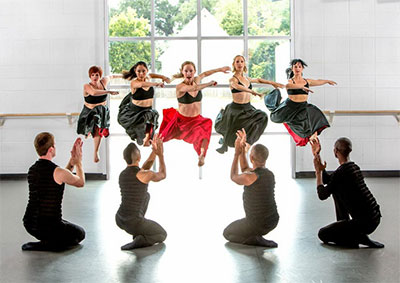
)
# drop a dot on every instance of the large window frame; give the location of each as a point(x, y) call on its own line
point(199, 38)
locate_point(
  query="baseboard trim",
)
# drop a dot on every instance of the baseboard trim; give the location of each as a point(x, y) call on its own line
point(15, 177)
point(366, 173)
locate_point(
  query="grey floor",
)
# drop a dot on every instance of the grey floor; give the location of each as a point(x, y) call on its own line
point(194, 212)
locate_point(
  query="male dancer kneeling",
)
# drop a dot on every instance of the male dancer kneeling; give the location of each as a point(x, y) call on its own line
point(258, 196)
point(133, 182)
point(46, 180)
point(351, 196)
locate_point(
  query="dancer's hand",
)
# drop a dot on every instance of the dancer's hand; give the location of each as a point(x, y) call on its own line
point(319, 167)
point(160, 85)
point(112, 92)
point(242, 135)
point(315, 146)
point(76, 152)
point(306, 89)
point(166, 80)
point(213, 83)
point(225, 69)
point(256, 94)
point(157, 145)
point(238, 145)
point(331, 82)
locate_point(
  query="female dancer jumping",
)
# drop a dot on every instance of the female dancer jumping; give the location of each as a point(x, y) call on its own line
point(135, 111)
point(94, 119)
point(240, 114)
point(303, 120)
point(186, 123)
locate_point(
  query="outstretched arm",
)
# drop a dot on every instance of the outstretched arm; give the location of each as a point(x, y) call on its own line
point(158, 76)
point(235, 84)
point(195, 87)
point(262, 81)
point(225, 70)
point(138, 84)
point(95, 92)
point(320, 82)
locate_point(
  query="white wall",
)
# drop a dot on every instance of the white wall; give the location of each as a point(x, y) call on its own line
point(46, 48)
point(357, 44)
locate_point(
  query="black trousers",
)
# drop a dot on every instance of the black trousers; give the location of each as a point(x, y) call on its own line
point(242, 230)
point(346, 231)
point(149, 229)
point(60, 235)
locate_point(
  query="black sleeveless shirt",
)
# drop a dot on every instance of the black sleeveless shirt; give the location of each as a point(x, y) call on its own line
point(133, 194)
point(94, 99)
point(259, 198)
point(298, 91)
point(188, 99)
point(234, 90)
point(45, 196)
point(141, 94)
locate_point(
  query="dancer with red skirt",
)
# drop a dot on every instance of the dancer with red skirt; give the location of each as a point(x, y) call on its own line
point(186, 123)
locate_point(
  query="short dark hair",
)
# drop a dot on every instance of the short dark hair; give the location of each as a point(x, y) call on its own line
point(261, 153)
point(344, 146)
point(131, 153)
point(43, 142)
point(95, 69)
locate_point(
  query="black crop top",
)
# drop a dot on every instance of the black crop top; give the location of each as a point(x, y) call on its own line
point(188, 99)
point(234, 90)
point(94, 99)
point(298, 91)
point(142, 94)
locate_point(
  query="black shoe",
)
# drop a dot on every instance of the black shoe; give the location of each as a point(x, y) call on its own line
point(222, 149)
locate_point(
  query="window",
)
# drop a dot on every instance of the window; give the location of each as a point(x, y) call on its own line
point(164, 33)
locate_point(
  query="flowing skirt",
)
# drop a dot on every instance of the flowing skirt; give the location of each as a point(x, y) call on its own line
point(136, 120)
point(192, 130)
point(92, 121)
point(301, 119)
point(237, 116)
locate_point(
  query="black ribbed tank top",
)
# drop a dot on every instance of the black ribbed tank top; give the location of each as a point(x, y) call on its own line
point(45, 195)
point(259, 198)
point(133, 194)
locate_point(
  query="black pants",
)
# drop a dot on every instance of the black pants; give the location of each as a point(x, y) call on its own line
point(60, 235)
point(149, 229)
point(240, 231)
point(346, 231)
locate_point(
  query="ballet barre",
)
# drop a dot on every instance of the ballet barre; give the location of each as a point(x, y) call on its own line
point(69, 116)
point(332, 113)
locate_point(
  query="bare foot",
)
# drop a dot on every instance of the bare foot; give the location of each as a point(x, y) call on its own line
point(96, 157)
point(146, 141)
point(201, 160)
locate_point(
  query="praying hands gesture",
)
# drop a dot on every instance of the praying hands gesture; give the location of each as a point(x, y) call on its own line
point(240, 142)
point(157, 146)
point(316, 149)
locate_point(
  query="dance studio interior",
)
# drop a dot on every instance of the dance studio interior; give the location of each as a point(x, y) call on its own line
point(351, 55)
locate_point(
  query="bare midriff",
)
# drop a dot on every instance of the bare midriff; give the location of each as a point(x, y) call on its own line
point(91, 106)
point(143, 103)
point(298, 97)
point(241, 97)
point(190, 110)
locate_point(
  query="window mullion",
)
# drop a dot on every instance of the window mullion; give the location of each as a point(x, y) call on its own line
point(245, 31)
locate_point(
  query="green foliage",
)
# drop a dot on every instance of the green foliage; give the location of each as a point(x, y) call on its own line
point(123, 55)
point(262, 61)
point(230, 15)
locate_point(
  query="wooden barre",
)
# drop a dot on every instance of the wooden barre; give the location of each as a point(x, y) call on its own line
point(383, 112)
point(39, 114)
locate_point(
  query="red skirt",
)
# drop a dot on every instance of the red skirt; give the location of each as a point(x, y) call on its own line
point(190, 129)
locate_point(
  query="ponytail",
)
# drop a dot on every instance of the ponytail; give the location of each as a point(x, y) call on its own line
point(180, 75)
